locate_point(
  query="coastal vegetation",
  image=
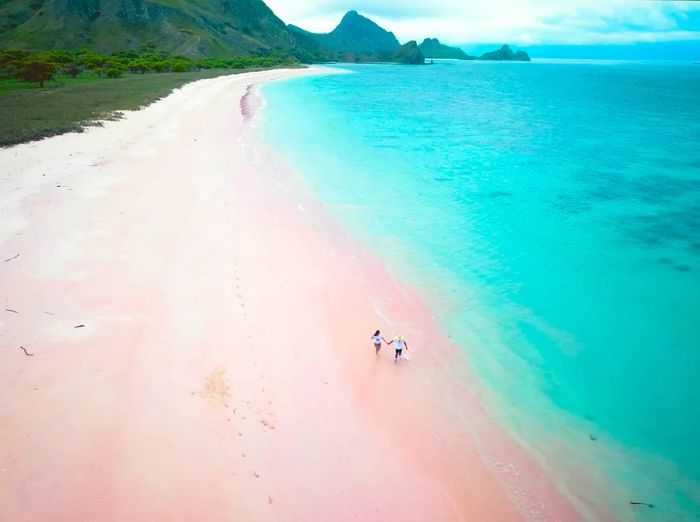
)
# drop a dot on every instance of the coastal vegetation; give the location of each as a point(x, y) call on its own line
point(52, 92)
point(42, 66)
point(506, 54)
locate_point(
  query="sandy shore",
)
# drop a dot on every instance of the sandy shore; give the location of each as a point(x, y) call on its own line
point(198, 332)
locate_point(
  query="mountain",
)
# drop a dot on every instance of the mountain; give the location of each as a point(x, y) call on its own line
point(432, 48)
point(409, 53)
point(356, 34)
point(193, 28)
point(506, 54)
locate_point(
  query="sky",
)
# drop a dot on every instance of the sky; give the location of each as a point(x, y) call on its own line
point(518, 22)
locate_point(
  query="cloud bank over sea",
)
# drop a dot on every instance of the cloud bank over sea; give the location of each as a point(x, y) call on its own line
point(521, 22)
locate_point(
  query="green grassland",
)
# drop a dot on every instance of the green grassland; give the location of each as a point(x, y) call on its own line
point(44, 93)
point(71, 104)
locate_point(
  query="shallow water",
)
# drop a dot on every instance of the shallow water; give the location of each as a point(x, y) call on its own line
point(551, 214)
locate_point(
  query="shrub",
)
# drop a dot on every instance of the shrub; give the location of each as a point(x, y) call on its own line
point(114, 68)
point(114, 72)
point(95, 62)
point(72, 70)
point(139, 65)
point(179, 65)
point(36, 69)
point(10, 57)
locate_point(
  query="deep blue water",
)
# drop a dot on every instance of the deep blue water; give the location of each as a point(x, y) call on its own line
point(551, 212)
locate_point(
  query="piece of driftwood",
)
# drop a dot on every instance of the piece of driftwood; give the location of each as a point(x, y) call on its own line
point(11, 258)
point(641, 504)
point(11, 310)
point(26, 352)
point(80, 326)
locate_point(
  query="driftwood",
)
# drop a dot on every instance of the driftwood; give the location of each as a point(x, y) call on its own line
point(641, 504)
point(11, 310)
point(11, 258)
point(80, 326)
point(26, 352)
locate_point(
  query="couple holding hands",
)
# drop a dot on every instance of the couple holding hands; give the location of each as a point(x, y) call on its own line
point(398, 341)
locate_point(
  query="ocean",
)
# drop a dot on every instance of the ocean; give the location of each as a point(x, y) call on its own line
point(550, 213)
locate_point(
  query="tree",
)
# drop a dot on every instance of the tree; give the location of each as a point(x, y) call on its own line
point(157, 65)
point(139, 65)
point(114, 68)
point(179, 65)
point(95, 62)
point(72, 70)
point(36, 69)
point(11, 57)
point(58, 56)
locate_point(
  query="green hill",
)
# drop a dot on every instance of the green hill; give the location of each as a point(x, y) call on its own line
point(432, 48)
point(193, 28)
point(505, 54)
point(354, 33)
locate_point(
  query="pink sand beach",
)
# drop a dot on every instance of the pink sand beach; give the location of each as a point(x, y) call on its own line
point(197, 335)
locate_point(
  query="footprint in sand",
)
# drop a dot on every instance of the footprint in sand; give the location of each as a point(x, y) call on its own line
point(216, 387)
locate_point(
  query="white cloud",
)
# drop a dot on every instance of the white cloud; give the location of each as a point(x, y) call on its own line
point(512, 21)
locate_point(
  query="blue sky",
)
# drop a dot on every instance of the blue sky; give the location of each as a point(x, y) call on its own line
point(519, 22)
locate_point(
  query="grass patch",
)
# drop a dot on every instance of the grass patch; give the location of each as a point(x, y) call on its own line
point(31, 113)
point(8, 85)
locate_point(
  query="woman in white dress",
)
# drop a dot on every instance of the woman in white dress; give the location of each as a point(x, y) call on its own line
point(377, 339)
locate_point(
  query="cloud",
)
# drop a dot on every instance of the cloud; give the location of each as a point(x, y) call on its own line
point(512, 21)
point(389, 9)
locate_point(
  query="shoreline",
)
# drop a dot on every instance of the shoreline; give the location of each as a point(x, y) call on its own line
point(222, 370)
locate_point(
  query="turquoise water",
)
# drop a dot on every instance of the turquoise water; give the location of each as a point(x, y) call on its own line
point(551, 214)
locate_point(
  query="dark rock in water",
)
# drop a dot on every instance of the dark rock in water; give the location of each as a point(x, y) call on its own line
point(506, 54)
point(592, 437)
point(409, 53)
point(682, 268)
point(432, 48)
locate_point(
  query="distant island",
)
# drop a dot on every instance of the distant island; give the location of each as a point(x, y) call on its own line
point(432, 48)
point(506, 54)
